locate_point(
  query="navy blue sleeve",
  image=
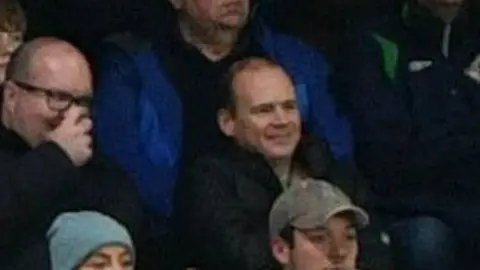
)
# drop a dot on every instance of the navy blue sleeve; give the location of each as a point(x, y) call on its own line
point(374, 107)
point(117, 129)
point(323, 116)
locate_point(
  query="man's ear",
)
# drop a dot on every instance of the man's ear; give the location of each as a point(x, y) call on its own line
point(280, 250)
point(225, 122)
point(177, 4)
point(9, 96)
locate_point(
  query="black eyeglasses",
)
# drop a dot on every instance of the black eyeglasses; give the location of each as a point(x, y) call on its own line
point(56, 100)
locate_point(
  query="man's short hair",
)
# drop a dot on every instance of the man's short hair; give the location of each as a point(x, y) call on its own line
point(228, 99)
point(12, 17)
point(19, 63)
point(287, 236)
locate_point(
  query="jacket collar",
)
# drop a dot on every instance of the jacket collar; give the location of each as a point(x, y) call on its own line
point(12, 142)
point(427, 28)
point(238, 153)
point(250, 163)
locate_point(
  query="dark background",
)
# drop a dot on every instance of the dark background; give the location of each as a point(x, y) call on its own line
point(324, 23)
point(85, 22)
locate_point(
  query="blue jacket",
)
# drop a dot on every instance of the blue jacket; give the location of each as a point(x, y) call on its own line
point(138, 115)
point(410, 93)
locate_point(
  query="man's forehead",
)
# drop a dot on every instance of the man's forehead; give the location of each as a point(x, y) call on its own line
point(57, 84)
point(266, 87)
point(258, 69)
point(55, 75)
point(63, 82)
point(56, 55)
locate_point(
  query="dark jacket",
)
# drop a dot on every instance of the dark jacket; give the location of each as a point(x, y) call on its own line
point(221, 211)
point(222, 206)
point(37, 185)
point(413, 108)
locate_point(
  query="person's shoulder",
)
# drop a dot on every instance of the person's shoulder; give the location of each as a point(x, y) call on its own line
point(121, 48)
point(291, 43)
point(103, 166)
point(230, 159)
point(128, 42)
point(371, 41)
point(213, 160)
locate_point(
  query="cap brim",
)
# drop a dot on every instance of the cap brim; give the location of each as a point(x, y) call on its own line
point(361, 217)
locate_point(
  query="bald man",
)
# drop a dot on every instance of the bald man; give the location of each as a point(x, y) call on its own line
point(46, 161)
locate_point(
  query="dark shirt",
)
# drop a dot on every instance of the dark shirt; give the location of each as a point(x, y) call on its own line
point(197, 80)
point(38, 184)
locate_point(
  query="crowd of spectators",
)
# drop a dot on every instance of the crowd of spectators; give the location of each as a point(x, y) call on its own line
point(239, 134)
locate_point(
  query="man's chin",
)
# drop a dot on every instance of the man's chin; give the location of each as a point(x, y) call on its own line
point(232, 23)
point(281, 153)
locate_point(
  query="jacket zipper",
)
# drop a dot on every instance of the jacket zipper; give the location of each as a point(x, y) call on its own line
point(447, 31)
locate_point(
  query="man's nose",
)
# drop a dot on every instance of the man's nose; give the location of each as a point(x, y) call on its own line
point(281, 117)
point(338, 252)
point(83, 111)
point(116, 266)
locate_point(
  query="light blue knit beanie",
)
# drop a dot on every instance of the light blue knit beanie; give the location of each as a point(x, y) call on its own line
point(75, 236)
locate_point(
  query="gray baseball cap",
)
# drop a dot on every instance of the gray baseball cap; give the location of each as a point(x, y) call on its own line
point(308, 204)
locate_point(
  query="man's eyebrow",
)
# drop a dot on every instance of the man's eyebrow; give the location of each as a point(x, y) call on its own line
point(262, 105)
point(125, 253)
point(290, 100)
point(272, 103)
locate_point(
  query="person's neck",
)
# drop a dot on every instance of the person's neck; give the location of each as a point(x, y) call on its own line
point(214, 44)
point(446, 14)
point(5, 120)
point(281, 167)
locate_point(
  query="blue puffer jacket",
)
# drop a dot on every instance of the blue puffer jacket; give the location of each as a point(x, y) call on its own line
point(138, 114)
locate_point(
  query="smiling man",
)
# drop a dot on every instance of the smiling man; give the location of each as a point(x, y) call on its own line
point(263, 115)
point(171, 90)
point(223, 202)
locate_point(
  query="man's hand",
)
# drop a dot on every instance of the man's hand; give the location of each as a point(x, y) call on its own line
point(73, 136)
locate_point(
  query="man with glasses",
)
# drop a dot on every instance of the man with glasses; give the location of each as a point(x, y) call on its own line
point(313, 225)
point(46, 162)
